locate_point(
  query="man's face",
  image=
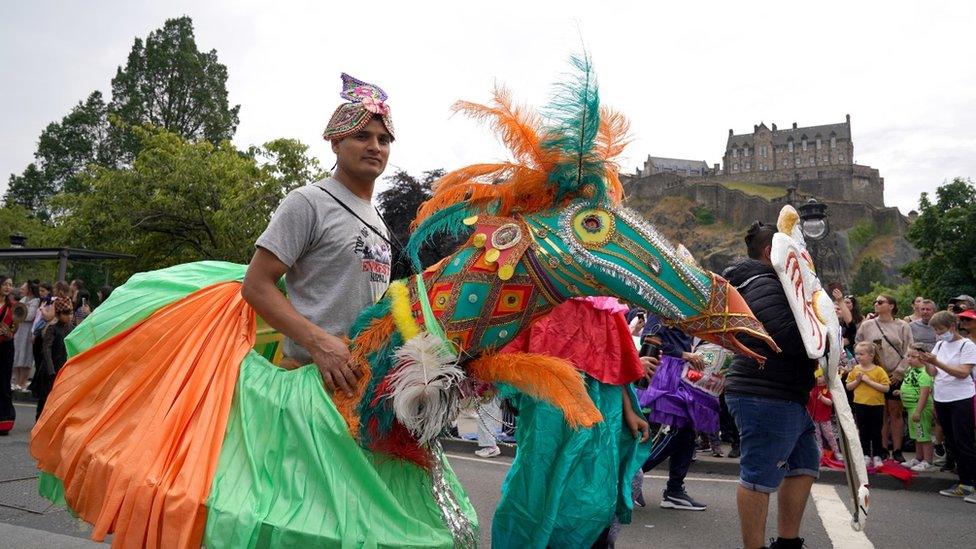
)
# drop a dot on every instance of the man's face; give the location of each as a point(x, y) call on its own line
point(925, 311)
point(967, 325)
point(364, 153)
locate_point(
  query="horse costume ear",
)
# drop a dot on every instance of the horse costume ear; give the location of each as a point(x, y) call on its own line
point(542, 377)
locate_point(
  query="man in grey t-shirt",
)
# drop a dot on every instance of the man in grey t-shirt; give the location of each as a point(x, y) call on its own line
point(922, 333)
point(330, 243)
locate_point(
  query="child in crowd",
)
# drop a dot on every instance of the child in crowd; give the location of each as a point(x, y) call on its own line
point(870, 382)
point(916, 395)
point(820, 406)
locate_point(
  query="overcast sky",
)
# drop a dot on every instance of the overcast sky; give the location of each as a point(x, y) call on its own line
point(684, 74)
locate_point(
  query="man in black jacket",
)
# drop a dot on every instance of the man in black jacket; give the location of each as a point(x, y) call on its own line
point(768, 402)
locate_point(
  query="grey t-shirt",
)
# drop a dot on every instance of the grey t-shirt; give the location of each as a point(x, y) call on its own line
point(337, 266)
point(923, 334)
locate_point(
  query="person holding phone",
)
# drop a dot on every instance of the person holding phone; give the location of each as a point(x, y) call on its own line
point(951, 363)
point(894, 339)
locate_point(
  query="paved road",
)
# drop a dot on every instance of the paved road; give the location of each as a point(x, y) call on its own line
point(899, 518)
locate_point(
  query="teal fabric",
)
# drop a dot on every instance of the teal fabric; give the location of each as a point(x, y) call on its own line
point(566, 485)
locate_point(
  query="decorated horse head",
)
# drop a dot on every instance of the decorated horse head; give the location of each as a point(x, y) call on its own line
point(537, 230)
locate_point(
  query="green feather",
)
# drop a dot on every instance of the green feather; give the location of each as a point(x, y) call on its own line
point(574, 118)
point(449, 221)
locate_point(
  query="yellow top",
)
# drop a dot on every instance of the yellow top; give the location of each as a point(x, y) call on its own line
point(864, 393)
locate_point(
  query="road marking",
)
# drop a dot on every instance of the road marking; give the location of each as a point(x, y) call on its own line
point(836, 519)
point(659, 477)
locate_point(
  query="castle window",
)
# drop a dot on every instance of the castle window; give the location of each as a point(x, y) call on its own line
point(833, 142)
point(818, 143)
point(786, 162)
point(735, 153)
point(762, 151)
point(790, 144)
point(748, 166)
point(735, 167)
point(813, 160)
point(797, 161)
point(840, 157)
point(826, 158)
point(804, 143)
point(745, 152)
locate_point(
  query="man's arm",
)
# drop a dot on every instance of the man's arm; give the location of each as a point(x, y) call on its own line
point(329, 353)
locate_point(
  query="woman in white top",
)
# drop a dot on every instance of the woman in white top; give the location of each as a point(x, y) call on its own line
point(951, 365)
point(23, 339)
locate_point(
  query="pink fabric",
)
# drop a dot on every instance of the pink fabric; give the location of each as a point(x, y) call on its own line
point(595, 340)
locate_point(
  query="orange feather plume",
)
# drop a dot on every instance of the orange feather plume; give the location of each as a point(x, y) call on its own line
point(522, 185)
point(543, 377)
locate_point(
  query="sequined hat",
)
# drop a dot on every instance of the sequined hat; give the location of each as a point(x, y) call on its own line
point(364, 101)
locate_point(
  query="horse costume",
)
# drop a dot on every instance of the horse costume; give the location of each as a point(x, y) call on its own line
point(171, 426)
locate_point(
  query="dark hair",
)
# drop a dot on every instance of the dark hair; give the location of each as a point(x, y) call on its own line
point(891, 301)
point(105, 291)
point(758, 237)
point(50, 292)
point(81, 297)
point(79, 283)
point(10, 297)
point(856, 316)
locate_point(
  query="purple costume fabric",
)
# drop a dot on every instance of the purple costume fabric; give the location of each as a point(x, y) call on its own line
point(675, 402)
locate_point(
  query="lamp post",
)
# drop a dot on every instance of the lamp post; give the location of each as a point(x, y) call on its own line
point(813, 223)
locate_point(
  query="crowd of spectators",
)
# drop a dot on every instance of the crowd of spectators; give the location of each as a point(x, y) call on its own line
point(35, 318)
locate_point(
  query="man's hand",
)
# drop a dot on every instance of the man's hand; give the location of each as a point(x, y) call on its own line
point(635, 424)
point(696, 361)
point(916, 417)
point(650, 364)
point(331, 355)
point(838, 295)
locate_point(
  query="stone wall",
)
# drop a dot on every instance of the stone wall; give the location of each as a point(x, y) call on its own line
point(854, 183)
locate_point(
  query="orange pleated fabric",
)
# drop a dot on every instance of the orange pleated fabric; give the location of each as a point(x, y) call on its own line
point(134, 425)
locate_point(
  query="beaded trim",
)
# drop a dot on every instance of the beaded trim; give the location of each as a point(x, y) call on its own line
point(587, 259)
point(457, 522)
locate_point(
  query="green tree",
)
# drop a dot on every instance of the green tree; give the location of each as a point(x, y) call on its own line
point(399, 204)
point(180, 201)
point(870, 272)
point(168, 83)
point(943, 235)
point(287, 163)
point(64, 150)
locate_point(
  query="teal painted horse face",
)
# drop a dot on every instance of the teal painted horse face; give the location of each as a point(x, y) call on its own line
point(511, 270)
point(587, 249)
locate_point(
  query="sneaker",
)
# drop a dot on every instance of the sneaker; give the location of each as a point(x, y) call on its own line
point(910, 463)
point(780, 543)
point(680, 500)
point(970, 499)
point(868, 462)
point(878, 462)
point(488, 452)
point(958, 491)
point(717, 451)
point(897, 456)
point(734, 453)
point(637, 489)
point(921, 466)
point(939, 450)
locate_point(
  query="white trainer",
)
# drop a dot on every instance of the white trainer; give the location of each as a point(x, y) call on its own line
point(488, 452)
point(922, 466)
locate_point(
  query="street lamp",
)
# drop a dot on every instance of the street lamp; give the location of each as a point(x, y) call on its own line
point(814, 220)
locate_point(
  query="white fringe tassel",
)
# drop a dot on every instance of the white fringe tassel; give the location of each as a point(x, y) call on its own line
point(425, 386)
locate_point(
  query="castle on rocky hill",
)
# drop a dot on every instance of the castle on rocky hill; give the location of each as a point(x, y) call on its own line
point(769, 167)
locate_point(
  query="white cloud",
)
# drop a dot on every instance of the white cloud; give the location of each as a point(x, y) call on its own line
point(684, 74)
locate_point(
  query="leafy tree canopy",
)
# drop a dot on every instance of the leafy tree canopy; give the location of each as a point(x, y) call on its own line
point(944, 235)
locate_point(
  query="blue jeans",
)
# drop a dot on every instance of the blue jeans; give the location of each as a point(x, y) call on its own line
point(777, 440)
